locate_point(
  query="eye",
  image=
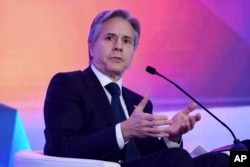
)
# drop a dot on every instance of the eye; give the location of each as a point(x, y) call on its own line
point(127, 41)
point(110, 38)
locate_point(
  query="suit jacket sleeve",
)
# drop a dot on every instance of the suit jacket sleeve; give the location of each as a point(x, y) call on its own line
point(75, 126)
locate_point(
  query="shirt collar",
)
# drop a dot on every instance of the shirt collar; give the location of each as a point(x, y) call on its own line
point(104, 80)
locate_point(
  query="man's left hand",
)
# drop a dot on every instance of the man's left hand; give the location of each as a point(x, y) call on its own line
point(183, 122)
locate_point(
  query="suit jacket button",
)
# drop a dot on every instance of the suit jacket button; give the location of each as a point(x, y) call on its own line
point(120, 161)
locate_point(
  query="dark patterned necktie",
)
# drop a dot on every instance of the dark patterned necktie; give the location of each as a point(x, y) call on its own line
point(131, 148)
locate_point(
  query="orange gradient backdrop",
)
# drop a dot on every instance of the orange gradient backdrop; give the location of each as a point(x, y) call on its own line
point(201, 44)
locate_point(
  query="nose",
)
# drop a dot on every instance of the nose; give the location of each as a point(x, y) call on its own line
point(117, 45)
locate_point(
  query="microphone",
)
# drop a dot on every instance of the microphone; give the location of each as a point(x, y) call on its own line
point(237, 146)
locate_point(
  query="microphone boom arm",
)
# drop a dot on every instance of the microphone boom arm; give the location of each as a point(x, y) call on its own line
point(235, 139)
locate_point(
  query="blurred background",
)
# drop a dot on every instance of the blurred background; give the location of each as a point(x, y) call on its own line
point(203, 45)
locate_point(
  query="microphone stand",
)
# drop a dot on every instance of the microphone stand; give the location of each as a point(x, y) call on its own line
point(236, 146)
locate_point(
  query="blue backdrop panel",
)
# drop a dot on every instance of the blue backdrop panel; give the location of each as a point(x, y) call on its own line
point(12, 135)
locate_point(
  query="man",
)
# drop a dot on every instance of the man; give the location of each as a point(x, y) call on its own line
point(80, 118)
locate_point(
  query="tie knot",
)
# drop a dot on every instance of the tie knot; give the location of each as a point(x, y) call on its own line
point(113, 89)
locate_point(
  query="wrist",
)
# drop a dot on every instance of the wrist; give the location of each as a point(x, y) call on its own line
point(125, 132)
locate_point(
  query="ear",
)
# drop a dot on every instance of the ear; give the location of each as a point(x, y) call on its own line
point(91, 48)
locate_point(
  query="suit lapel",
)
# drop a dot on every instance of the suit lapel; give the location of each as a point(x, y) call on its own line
point(128, 101)
point(97, 93)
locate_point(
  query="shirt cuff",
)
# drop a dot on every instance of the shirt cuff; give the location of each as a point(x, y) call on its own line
point(119, 137)
point(171, 144)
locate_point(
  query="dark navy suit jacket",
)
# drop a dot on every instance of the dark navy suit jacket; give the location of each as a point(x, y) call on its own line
point(79, 121)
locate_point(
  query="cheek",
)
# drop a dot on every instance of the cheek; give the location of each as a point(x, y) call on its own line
point(98, 52)
point(103, 50)
point(130, 59)
point(130, 56)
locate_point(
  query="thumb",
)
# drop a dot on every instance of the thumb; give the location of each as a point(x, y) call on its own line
point(140, 107)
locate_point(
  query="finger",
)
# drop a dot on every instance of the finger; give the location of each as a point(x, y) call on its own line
point(151, 132)
point(197, 117)
point(158, 123)
point(154, 117)
point(158, 135)
point(142, 104)
point(194, 119)
point(157, 131)
point(185, 128)
point(192, 122)
point(191, 107)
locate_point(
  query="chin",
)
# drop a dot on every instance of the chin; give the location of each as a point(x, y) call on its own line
point(116, 71)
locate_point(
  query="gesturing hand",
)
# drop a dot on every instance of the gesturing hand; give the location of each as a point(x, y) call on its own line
point(183, 122)
point(142, 124)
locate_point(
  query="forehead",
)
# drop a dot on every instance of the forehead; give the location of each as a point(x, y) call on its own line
point(118, 26)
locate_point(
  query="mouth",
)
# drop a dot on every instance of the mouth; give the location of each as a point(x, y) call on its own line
point(116, 59)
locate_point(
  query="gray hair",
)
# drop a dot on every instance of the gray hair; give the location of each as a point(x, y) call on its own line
point(96, 25)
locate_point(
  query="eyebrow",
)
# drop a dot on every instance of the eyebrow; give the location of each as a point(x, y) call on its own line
point(125, 36)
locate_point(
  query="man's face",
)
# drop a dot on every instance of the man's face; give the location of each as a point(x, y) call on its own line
point(113, 50)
